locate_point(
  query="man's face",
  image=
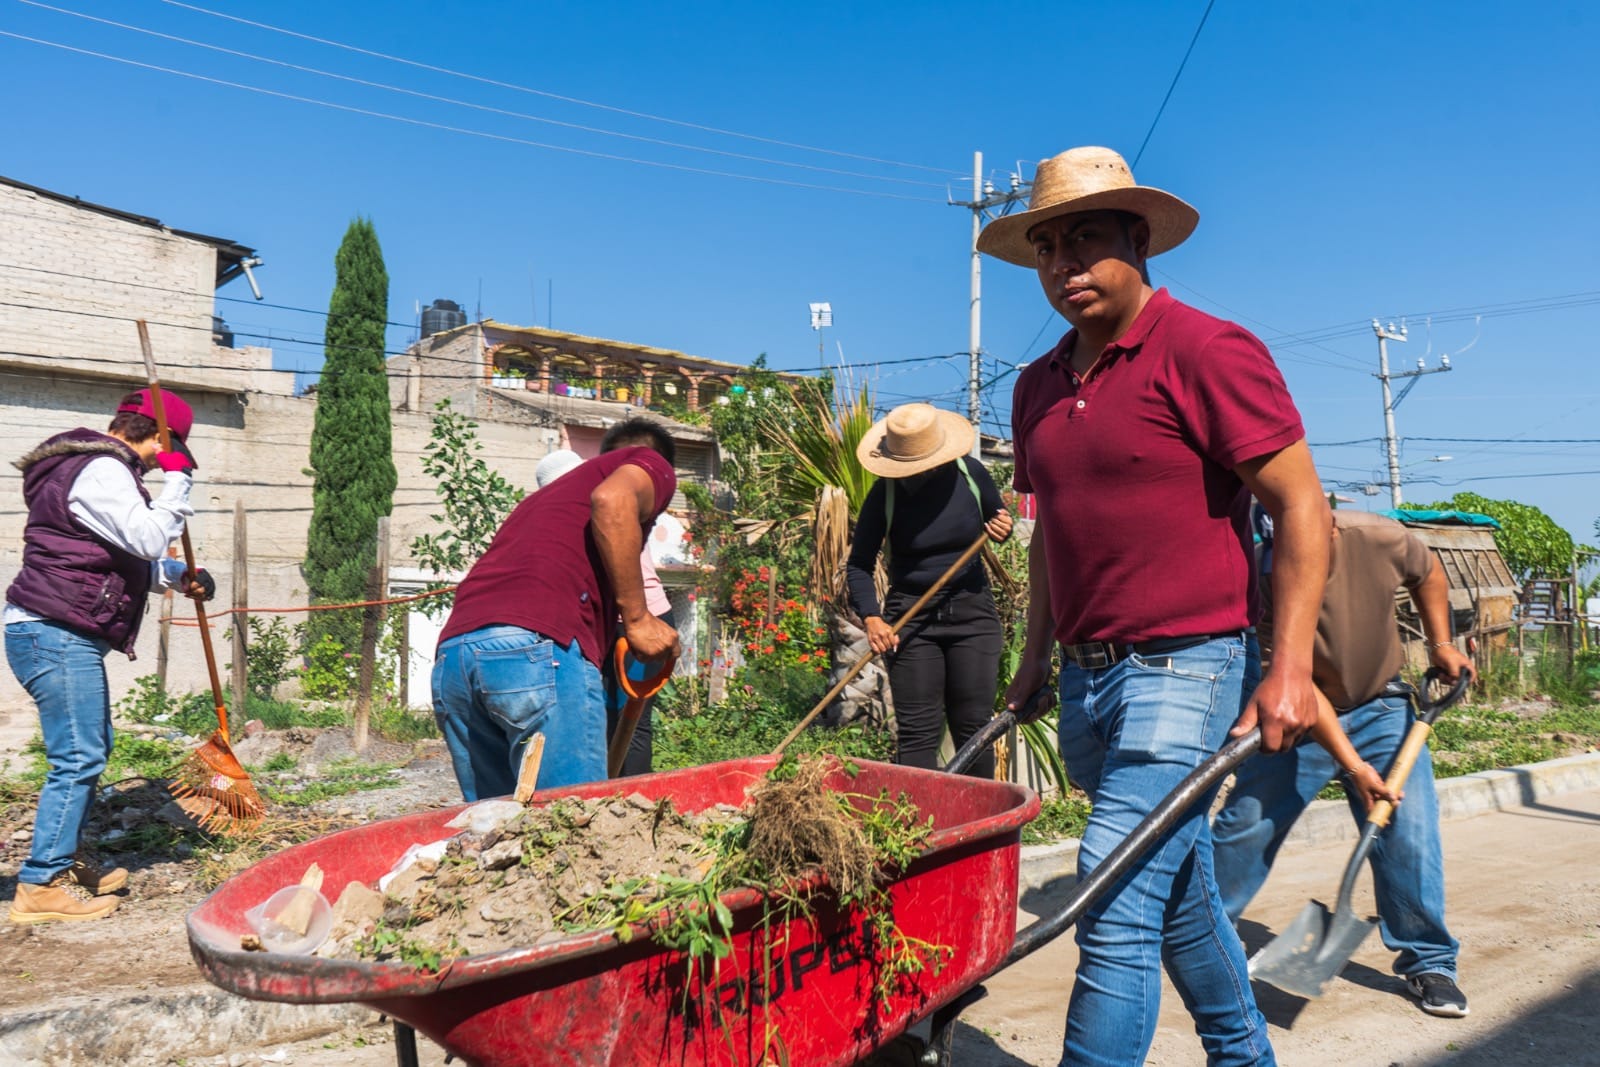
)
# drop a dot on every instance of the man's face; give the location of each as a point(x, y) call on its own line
point(1090, 264)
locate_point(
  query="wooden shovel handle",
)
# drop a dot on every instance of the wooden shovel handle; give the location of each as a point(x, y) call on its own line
point(899, 624)
point(1416, 737)
point(188, 548)
point(1427, 710)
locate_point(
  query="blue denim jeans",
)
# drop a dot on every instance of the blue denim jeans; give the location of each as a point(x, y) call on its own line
point(495, 688)
point(1129, 734)
point(1407, 860)
point(65, 673)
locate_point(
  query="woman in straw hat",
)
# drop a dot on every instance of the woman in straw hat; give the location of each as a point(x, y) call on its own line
point(931, 501)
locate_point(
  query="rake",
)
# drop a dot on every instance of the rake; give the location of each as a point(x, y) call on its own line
point(212, 772)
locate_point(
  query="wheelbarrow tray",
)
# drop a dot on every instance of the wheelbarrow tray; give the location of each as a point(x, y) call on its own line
point(801, 990)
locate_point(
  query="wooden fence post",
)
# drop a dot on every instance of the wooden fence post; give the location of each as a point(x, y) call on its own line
point(371, 626)
point(241, 600)
point(164, 640)
point(405, 656)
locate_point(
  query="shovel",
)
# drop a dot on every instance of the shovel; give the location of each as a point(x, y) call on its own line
point(1316, 945)
point(638, 680)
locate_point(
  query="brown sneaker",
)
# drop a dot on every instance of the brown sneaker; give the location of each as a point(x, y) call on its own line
point(98, 881)
point(63, 900)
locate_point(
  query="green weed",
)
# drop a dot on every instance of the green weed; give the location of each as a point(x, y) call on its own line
point(1061, 816)
point(337, 779)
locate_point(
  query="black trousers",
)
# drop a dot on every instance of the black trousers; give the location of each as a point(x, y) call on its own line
point(641, 749)
point(946, 668)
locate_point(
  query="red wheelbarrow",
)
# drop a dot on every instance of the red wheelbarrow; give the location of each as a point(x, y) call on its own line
point(801, 991)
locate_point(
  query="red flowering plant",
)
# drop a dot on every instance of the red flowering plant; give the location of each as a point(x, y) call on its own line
point(788, 640)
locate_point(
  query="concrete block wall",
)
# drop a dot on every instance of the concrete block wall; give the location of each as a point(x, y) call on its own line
point(72, 278)
point(254, 448)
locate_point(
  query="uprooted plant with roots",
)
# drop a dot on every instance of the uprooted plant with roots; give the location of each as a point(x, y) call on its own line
point(517, 877)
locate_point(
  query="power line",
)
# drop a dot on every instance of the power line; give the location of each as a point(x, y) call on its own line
point(1351, 362)
point(1512, 440)
point(476, 107)
point(555, 96)
point(1185, 61)
point(506, 138)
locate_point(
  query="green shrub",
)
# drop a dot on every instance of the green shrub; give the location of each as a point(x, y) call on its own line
point(759, 711)
point(392, 722)
point(269, 654)
point(330, 671)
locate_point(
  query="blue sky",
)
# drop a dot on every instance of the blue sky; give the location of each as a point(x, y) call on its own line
point(1348, 160)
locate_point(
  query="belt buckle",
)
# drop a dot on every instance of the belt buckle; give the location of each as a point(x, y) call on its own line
point(1097, 657)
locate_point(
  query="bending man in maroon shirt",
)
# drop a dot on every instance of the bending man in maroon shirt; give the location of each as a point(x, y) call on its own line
point(532, 620)
point(1141, 436)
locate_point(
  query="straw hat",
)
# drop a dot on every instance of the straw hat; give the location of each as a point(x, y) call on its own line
point(914, 438)
point(1088, 179)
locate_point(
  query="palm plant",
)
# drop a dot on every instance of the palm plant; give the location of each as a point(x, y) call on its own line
point(811, 463)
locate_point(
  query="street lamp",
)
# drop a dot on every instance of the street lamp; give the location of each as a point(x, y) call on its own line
point(821, 316)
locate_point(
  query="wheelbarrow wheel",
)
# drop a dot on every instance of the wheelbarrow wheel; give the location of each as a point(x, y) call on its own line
point(903, 1051)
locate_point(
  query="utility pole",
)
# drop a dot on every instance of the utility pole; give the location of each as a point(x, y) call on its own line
point(1390, 402)
point(821, 318)
point(984, 200)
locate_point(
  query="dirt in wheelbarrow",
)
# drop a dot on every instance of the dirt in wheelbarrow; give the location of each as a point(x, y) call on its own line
point(324, 786)
point(517, 877)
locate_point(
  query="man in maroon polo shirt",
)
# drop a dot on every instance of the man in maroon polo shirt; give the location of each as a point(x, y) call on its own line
point(535, 615)
point(1142, 435)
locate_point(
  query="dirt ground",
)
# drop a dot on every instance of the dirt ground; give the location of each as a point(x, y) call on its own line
point(145, 936)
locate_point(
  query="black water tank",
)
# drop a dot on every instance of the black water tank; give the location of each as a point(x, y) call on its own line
point(441, 316)
point(221, 336)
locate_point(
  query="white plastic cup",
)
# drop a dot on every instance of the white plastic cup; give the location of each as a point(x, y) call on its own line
point(276, 937)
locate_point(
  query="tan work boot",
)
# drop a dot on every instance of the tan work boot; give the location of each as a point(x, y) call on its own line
point(98, 881)
point(63, 900)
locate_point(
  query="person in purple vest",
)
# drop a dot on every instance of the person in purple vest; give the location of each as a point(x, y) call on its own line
point(535, 616)
point(94, 547)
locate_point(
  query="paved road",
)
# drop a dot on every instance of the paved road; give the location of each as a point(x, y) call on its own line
point(1524, 901)
point(1524, 894)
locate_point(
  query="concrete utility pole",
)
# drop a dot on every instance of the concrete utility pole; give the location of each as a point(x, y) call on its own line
point(1392, 443)
point(984, 200)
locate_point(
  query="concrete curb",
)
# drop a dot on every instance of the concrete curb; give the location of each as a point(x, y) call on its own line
point(156, 1028)
point(1329, 822)
point(202, 1021)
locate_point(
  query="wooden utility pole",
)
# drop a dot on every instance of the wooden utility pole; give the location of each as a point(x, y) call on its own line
point(371, 626)
point(241, 600)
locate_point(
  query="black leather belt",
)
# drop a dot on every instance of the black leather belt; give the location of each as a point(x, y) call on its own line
point(1096, 655)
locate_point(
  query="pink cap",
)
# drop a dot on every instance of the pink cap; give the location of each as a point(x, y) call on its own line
point(180, 417)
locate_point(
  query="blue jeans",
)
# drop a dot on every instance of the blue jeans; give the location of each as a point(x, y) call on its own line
point(495, 688)
point(1129, 734)
point(65, 673)
point(1407, 860)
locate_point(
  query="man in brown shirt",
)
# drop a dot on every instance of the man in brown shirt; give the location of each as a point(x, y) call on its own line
point(1357, 655)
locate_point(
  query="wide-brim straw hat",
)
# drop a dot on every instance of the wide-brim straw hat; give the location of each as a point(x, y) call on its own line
point(1088, 179)
point(914, 438)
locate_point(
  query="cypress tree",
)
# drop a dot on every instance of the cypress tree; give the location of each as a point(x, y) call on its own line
point(352, 454)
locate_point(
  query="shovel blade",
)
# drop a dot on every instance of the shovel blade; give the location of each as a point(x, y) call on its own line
point(1311, 950)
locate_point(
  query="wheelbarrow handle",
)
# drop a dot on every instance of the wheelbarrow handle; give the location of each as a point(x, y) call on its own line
point(1198, 784)
point(990, 731)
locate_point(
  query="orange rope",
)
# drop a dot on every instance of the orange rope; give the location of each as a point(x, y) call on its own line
point(210, 615)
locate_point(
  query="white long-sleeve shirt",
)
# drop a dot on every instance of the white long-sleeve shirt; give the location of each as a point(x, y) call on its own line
point(105, 500)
